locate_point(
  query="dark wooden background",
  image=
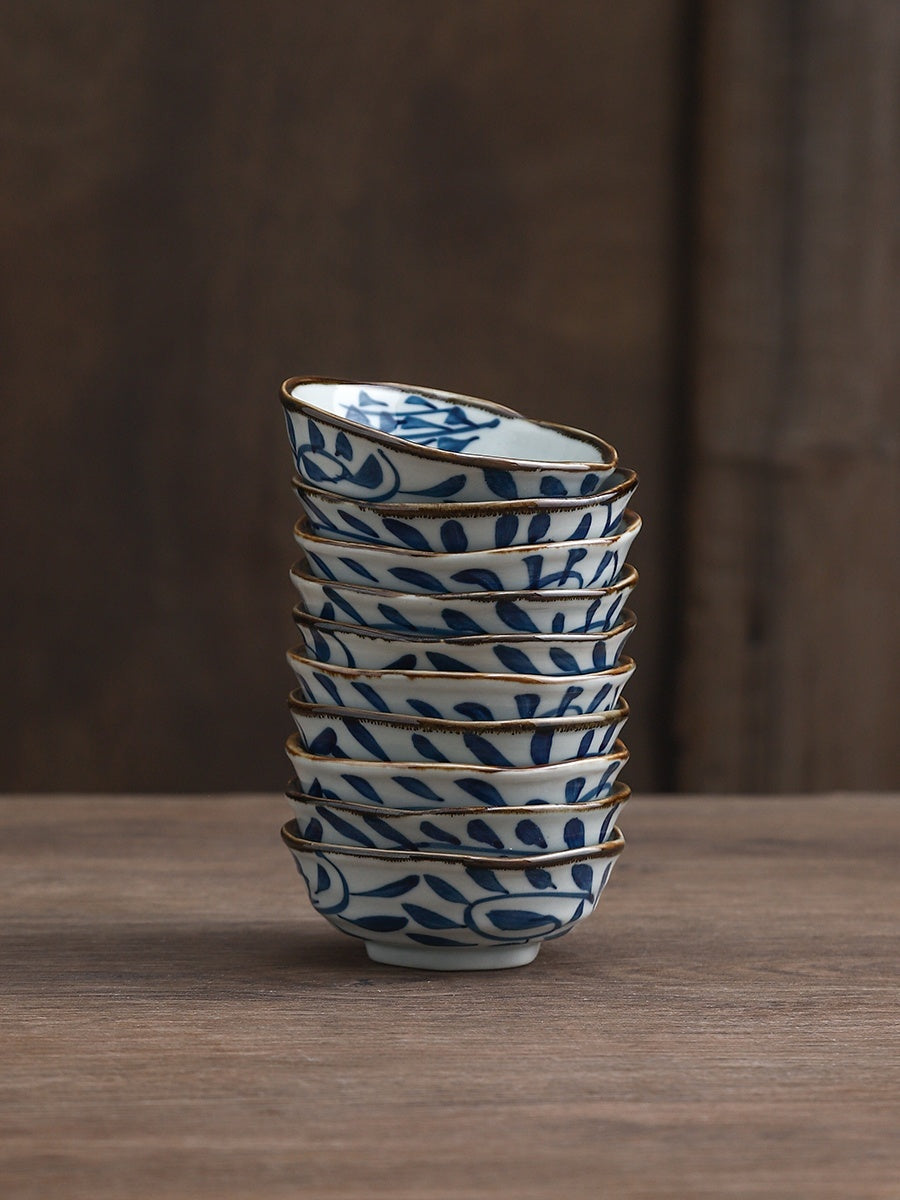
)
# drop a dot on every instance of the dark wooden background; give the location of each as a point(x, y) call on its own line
point(674, 222)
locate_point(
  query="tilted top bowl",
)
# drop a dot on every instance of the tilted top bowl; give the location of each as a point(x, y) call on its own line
point(556, 610)
point(391, 441)
point(454, 528)
point(451, 912)
point(587, 564)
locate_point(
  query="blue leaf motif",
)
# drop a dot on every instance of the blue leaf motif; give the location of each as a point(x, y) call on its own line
point(486, 880)
point(505, 529)
point(513, 920)
point(541, 743)
point(420, 579)
point(527, 705)
point(585, 744)
point(322, 880)
point(406, 662)
point(482, 790)
point(479, 831)
point(313, 832)
point(445, 890)
point(473, 711)
point(406, 533)
point(443, 662)
point(370, 475)
point(417, 788)
point(515, 617)
point(441, 491)
point(459, 622)
point(515, 660)
point(574, 833)
point(344, 827)
point(529, 834)
point(369, 694)
point(379, 924)
point(583, 875)
point(453, 537)
point(364, 788)
point(342, 447)
point(358, 569)
point(583, 529)
point(323, 744)
point(481, 577)
point(429, 918)
point(485, 751)
point(574, 788)
point(564, 661)
point(430, 830)
point(359, 525)
point(361, 734)
point(598, 656)
point(432, 939)
point(551, 486)
point(589, 484)
point(540, 878)
point(394, 616)
point(389, 832)
point(424, 709)
point(501, 483)
point(538, 526)
point(399, 887)
point(426, 749)
point(314, 433)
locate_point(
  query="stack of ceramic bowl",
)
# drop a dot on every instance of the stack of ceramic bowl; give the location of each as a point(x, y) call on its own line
point(463, 593)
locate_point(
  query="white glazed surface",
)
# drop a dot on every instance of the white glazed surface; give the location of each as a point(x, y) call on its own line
point(547, 828)
point(349, 733)
point(391, 442)
point(457, 696)
point(524, 653)
point(453, 528)
point(418, 785)
point(475, 613)
point(590, 564)
point(451, 912)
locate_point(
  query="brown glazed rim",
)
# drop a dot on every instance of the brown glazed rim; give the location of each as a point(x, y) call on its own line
point(625, 666)
point(298, 704)
point(608, 455)
point(302, 528)
point(628, 578)
point(294, 746)
point(477, 508)
point(559, 858)
point(619, 796)
point(302, 617)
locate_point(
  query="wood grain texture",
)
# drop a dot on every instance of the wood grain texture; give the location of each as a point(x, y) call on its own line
point(792, 640)
point(176, 1022)
point(205, 199)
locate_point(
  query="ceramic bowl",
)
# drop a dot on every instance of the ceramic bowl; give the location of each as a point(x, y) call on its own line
point(524, 653)
point(454, 528)
point(439, 785)
point(593, 563)
point(546, 829)
point(391, 737)
point(462, 613)
point(451, 696)
point(391, 441)
point(449, 912)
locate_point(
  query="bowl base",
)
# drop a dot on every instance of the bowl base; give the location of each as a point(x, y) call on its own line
point(451, 958)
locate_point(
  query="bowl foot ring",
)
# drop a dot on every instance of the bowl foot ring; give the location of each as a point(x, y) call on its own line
point(444, 958)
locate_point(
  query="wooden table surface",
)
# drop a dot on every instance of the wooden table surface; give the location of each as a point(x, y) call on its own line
point(177, 1022)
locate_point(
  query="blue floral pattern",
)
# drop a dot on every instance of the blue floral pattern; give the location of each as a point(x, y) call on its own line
point(447, 696)
point(507, 831)
point(464, 614)
point(441, 906)
point(520, 654)
point(342, 733)
point(402, 785)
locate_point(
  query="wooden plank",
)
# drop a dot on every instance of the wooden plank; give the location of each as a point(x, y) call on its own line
point(177, 1022)
point(792, 640)
point(204, 201)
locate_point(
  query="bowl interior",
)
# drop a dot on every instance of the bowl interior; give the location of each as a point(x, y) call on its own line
point(444, 421)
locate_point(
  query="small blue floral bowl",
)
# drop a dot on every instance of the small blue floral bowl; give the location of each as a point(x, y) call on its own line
point(440, 785)
point(523, 653)
point(463, 613)
point(452, 912)
point(451, 695)
point(504, 832)
point(389, 441)
point(593, 563)
point(455, 528)
point(393, 737)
